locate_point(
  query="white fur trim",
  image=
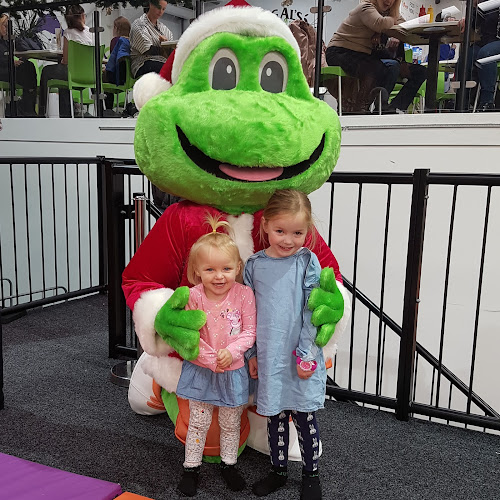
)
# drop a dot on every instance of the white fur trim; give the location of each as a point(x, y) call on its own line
point(250, 21)
point(330, 349)
point(148, 86)
point(166, 370)
point(242, 226)
point(145, 310)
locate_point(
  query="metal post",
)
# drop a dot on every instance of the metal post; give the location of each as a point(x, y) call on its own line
point(116, 258)
point(12, 70)
point(319, 48)
point(98, 99)
point(412, 287)
point(139, 224)
point(102, 227)
point(122, 372)
point(197, 8)
point(464, 55)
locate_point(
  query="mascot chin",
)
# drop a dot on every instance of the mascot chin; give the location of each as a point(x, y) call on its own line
point(229, 120)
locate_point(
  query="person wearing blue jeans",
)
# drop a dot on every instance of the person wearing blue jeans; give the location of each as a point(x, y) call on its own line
point(396, 67)
point(487, 45)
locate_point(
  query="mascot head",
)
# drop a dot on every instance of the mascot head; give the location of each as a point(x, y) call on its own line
point(238, 120)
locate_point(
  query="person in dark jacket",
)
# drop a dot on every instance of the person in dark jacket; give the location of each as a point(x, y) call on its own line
point(25, 73)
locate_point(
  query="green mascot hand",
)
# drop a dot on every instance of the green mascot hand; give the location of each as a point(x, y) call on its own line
point(327, 305)
point(178, 327)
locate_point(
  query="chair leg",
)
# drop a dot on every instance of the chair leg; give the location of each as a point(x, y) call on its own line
point(477, 97)
point(340, 96)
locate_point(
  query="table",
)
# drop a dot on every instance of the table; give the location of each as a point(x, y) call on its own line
point(432, 34)
point(42, 54)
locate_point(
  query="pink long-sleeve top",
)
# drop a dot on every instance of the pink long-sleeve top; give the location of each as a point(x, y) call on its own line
point(230, 325)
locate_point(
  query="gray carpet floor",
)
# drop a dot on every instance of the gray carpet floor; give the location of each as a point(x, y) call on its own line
point(61, 410)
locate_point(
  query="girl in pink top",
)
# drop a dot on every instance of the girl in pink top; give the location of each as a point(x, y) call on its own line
point(218, 376)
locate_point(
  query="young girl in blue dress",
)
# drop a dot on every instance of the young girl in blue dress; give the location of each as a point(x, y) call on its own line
point(218, 376)
point(289, 366)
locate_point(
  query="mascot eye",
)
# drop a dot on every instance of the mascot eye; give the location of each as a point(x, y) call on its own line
point(224, 70)
point(273, 72)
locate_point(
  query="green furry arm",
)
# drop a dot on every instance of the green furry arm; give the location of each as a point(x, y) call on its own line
point(180, 328)
point(327, 305)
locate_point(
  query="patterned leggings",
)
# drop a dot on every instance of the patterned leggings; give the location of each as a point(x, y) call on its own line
point(307, 430)
point(200, 418)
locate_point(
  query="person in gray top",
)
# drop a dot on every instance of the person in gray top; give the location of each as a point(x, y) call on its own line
point(146, 35)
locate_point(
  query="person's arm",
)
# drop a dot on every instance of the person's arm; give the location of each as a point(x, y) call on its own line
point(373, 20)
point(307, 348)
point(144, 43)
point(246, 338)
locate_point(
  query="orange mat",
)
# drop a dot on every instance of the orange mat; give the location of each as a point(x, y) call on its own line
point(131, 496)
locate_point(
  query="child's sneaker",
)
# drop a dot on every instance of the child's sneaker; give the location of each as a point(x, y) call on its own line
point(311, 486)
point(188, 484)
point(273, 481)
point(232, 477)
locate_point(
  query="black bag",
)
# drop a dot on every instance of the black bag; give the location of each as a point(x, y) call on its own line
point(23, 43)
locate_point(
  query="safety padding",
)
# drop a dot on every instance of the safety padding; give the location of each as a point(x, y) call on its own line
point(24, 480)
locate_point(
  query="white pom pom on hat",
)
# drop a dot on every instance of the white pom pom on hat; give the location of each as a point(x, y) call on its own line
point(236, 17)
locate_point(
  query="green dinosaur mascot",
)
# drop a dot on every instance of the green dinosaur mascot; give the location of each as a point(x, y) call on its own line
point(236, 122)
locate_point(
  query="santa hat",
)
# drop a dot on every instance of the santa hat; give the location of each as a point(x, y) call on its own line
point(236, 17)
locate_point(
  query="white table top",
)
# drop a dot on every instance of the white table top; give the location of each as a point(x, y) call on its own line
point(43, 54)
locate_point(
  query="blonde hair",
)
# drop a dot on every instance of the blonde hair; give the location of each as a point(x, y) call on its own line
point(288, 202)
point(220, 241)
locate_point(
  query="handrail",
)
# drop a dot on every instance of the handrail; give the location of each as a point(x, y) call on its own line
point(422, 351)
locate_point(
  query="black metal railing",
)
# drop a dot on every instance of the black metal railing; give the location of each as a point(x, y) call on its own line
point(68, 229)
point(51, 245)
point(422, 373)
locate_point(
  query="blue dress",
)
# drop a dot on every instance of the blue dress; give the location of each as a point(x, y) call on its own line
point(282, 287)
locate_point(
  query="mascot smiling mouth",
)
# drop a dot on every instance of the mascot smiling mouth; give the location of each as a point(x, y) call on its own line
point(248, 174)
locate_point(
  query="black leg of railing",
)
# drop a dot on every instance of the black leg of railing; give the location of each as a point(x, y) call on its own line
point(116, 259)
point(412, 287)
point(12, 71)
point(461, 105)
point(319, 48)
point(98, 65)
point(102, 226)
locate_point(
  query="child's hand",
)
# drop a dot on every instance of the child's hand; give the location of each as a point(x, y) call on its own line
point(304, 374)
point(252, 367)
point(224, 359)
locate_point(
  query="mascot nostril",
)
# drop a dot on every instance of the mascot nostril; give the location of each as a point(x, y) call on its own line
point(224, 149)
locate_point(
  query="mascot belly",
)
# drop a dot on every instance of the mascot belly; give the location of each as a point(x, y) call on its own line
point(229, 120)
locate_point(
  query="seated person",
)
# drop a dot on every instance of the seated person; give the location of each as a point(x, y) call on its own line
point(392, 53)
point(146, 36)
point(487, 45)
point(77, 31)
point(121, 28)
point(351, 46)
point(25, 73)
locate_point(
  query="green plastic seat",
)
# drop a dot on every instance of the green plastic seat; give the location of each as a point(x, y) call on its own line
point(81, 70)
point(329, 72)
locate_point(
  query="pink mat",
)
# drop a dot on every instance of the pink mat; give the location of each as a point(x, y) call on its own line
point(24, 480)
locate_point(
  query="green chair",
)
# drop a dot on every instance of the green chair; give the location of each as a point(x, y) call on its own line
point(121, 90)
point(4, 91)
point(81, 71)
point(329, 72)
